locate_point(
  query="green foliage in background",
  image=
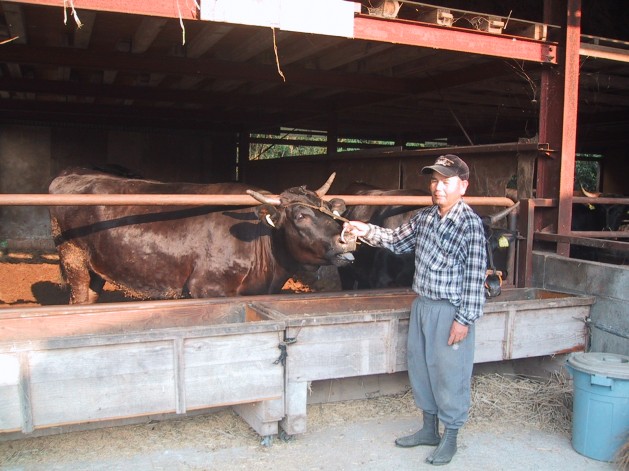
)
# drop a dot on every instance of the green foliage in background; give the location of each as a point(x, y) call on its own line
point(587, 174)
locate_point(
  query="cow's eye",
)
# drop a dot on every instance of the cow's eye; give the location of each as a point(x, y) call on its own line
point(302, 215)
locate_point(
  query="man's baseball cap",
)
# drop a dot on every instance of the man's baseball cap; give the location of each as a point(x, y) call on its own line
point(449, 165)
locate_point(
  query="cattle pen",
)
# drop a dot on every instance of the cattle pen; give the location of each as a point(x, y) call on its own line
point(257, 354)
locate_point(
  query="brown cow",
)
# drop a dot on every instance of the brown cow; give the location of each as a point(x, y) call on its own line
point(167, 252)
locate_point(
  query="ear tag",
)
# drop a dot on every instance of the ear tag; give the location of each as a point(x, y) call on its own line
point(503, 242)
point(269, 220)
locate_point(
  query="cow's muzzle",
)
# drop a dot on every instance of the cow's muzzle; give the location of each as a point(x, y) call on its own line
point(348, 240)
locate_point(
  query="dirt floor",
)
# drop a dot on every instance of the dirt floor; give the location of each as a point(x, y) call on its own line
point(34, 279)
point(515, 423)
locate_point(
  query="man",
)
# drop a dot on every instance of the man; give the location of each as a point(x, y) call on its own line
point(450, 264)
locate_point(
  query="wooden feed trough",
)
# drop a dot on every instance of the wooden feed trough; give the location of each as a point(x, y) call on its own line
point(365, 335)
point(69, 367)
point(83, 364)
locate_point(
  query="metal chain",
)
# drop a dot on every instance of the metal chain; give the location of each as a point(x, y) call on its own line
point(285, 343)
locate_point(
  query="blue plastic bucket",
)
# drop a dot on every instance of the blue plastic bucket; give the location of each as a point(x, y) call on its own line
point(600, 418)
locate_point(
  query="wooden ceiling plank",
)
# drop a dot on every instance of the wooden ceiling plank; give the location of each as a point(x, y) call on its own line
point(209, 35)
point(391, 60)
point(258, 41)
point(350, 53)
point(149, 29)
point(204, 68)
point(302, 47)
point(83, 35)
point(295, 48)
point(15, 22)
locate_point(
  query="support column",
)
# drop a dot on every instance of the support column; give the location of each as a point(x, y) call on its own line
point(558, 119)
point(569, 132)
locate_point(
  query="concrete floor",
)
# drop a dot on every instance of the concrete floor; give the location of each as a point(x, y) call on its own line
point(356, 445)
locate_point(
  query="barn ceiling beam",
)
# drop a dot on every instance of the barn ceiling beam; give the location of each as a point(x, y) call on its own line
point(454, 39)
point(179, 96)
point(204, 68)
point(176, 65)
point(120, 115)
point(427, 86)
point(604, 52)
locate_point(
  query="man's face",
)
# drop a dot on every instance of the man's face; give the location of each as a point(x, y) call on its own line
point(446, 191)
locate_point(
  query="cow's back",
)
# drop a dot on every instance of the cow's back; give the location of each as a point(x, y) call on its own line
point(78, 180)
point(148, 251)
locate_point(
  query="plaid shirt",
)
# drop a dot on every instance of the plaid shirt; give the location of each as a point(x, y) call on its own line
point(450, 256)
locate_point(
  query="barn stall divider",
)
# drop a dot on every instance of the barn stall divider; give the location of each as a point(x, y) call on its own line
point(67, 367)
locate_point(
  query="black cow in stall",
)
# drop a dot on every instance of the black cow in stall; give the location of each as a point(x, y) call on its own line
point(168, 252)
point(377, 267)
point(599, 217)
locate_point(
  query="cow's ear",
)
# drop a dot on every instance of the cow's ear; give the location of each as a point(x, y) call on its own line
point(268, 214)
point(337, 205)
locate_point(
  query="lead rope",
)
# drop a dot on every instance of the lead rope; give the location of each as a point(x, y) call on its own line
point(334, 215)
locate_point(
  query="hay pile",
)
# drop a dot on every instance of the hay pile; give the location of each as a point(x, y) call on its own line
point(622, 458)
point(497, 400)
point(542, 403)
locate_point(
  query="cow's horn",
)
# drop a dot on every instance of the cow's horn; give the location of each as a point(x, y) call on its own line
point(589, 194)
point(326, 186)
point(494, 218)
point(263, 198)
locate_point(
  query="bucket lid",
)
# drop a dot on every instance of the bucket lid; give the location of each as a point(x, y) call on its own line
point(608, 364)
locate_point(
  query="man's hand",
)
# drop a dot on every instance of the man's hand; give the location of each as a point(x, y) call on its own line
point(356, 228)
point(458, 332)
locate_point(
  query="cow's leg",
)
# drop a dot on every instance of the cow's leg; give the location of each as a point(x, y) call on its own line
point(77, 274)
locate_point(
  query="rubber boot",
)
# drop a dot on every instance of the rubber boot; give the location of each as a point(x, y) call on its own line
point(447, 448)
point(427, 435)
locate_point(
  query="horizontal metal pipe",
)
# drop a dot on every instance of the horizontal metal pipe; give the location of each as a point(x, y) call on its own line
point(217, 200)
point(599, 200)
point(583, 241)
point(602, 234)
